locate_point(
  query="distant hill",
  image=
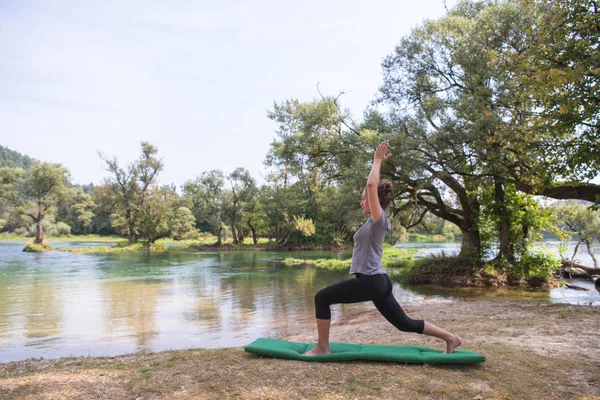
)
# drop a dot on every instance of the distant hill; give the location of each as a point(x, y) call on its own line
point(13, 159)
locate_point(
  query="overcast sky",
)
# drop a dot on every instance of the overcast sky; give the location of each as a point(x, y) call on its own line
point(194, 78)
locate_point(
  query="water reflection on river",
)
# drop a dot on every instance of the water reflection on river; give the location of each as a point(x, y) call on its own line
point(61, 304)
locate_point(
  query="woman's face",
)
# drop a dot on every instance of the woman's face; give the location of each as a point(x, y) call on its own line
point(364, 203)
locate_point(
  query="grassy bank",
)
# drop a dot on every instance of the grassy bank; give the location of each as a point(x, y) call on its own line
point(534, 350)
point(202, 244)
point(71, 238)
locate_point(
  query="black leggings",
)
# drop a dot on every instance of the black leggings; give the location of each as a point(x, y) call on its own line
point(377, 288)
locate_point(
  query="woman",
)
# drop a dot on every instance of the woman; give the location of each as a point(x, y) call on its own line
point(371, 282)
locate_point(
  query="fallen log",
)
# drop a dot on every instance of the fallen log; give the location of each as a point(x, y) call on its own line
point(570, 286)
point(575, 264)
point(572, 271)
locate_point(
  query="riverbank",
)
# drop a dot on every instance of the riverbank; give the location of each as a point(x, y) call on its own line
point(204, 243)
point(535, 350)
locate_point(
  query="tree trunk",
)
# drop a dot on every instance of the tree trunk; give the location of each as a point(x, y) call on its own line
point(588, 270)
point(525, 230)
point(219, 236)
point(471, 242)
point(130, 226)
point(575, 250)
point(504, 226)
point(39, 233)
point(591, 253)
point(253, 230)
point(240, 233)
point(234, 236)
point(277, 233)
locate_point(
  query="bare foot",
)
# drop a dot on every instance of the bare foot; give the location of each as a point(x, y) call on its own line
point(317, 351)
point(453, 344)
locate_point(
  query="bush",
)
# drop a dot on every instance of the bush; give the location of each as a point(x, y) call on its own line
point(22, 232)
point(62, 229)
point(539, 263)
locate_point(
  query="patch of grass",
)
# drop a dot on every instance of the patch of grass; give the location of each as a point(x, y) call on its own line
point(429, 237)
point(122, 246)
point(37, 248)
point(393, 257)
point(331, 264)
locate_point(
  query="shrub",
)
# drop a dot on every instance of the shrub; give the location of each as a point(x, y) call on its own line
point(22, 232)
point(537, 262)
point(62, 229)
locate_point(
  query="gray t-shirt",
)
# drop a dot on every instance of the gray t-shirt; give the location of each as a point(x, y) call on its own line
point(368, 246)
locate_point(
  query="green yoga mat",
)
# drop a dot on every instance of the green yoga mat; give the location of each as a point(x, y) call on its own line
point(373, 352)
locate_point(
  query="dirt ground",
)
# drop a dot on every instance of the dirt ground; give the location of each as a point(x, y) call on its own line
point(535, 350)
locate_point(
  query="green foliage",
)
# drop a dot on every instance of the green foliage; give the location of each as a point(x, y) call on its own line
point(583, 220)
point(156, 214)
point(305, 226)
point(537, 263)
point(313, 172)
point(205, 193)
point(81, 211)
point(524, 216)
point(559, 77)
point(131, 187)
point(61, 229)
point(34, 193)
point(12, 159)
point(183, 224)
point(575, 218)
point(237, 201)
point(22, 231)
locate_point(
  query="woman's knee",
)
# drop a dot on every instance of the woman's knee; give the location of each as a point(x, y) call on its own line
point(322, 297)
point(322, 304)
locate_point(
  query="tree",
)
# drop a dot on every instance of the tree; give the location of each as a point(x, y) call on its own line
point(310, 158)
point(13, 159)
point(183, 224)
point(34, 193)
point(579, 219)
point(156, 214)
point(243, 190)
point(206, 194)
point(455, 90)
point(437, 91)
point(558, 78)
point(81, 211)
point(131, 188)
point(255, 216)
